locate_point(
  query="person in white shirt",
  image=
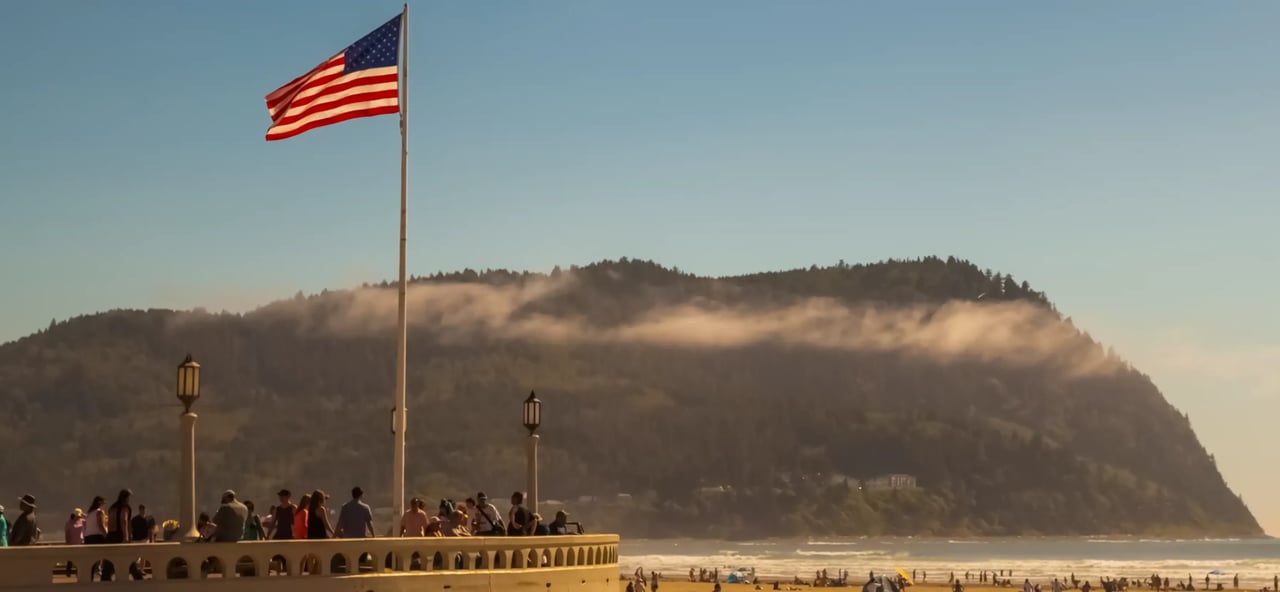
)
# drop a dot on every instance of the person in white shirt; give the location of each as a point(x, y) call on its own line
point(485, 519)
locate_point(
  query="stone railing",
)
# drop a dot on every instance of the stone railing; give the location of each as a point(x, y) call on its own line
point(587, 563)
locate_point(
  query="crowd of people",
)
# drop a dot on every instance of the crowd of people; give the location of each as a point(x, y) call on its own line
point(237, 520)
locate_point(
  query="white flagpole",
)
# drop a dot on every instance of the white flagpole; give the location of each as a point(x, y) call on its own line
point(400, 421)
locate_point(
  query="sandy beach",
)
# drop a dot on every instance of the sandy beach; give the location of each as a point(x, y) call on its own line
point(687, 586)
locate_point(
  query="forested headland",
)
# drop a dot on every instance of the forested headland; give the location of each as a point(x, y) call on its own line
point(674, 405)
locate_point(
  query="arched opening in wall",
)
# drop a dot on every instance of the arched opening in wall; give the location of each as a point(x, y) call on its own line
point(63, 570)
point(500, 560)
point(102, 571)
point(392, 562)
point(142, 570)
point(559, 558)
point(437, 562)
point(415, 562)
point(591, 556)
point(338, 564)
point(517, 559)
point(309, 565)
point(364, 564)
point(533, 558)
point(546, 558)
point(212, 567)
point(278, 566)
point(246, 567)
point(599, 556)
point(582, 556)
point(176, 569)
point(571, 558)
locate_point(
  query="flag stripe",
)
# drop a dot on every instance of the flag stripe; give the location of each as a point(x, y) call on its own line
point(350, 97)
point(316, 81)
point(378, 78)
point(335, 60)
point(350, 111)
point(280, 94)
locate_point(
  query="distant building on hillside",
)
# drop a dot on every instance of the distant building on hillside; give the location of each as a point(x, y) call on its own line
point(891, 481)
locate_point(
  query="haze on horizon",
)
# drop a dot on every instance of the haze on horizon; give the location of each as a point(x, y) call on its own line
point(1118, 157)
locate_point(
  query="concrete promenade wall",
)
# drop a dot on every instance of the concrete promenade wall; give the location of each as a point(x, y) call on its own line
point(577, 563)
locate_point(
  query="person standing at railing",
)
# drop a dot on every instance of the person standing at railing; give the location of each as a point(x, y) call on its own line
point(230, 519)
point(561, 526)
point(435, 527)
point(282, 517)
point(142, 526)
point(485, 520)
point(24, 530)
point(301, 516)
point(205, 527)
point(460, 519)
point(355, 520)
point(518, 518)
point(253, 524)
point(414, 521)
point(118, 517)
point(95, 526)
point(461, 526)
point(4, 529)
point(318, 517)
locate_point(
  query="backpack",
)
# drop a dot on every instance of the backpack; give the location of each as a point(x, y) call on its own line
point(495, 528)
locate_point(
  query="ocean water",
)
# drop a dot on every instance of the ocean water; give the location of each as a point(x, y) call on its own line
point(1256, 561)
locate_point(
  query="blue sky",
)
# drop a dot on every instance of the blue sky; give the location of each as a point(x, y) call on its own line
point(1120, 156)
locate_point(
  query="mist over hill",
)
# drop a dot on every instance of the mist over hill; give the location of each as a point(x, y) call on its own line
point(674, 405)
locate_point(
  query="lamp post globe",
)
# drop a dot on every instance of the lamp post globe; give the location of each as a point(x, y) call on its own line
point(532, 413)
point(188, 382)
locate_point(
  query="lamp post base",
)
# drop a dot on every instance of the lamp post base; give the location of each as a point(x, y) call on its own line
point(532, 501)
point(187, 480)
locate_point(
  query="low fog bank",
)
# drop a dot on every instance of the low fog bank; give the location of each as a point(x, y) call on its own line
point(1011, 332)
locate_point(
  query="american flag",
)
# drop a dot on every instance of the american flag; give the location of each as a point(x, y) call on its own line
point(361, 81)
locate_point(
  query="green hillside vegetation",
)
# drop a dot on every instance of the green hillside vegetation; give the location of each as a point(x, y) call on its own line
point(650, 389)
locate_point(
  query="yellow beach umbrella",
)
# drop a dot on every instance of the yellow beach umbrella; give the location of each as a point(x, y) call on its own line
point(905, 576)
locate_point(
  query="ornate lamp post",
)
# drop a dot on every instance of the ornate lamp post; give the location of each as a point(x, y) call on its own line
point(188, 391)
point(533, 419)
